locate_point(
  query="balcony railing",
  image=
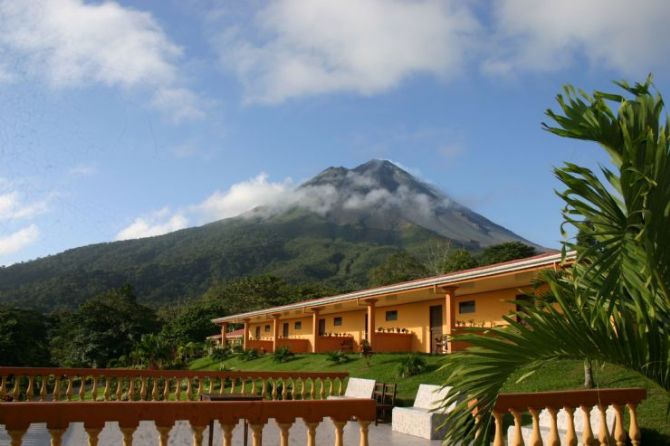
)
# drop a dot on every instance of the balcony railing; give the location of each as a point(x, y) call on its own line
point(80, 384)
point(17, 417)
point(568, 403)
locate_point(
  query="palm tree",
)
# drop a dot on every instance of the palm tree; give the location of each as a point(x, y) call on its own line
point(613, 304)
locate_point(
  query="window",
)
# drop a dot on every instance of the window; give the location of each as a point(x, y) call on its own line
point(298, 325)
point(337, 321)
point(392, 315)
point(466, 307)
point(267, 328)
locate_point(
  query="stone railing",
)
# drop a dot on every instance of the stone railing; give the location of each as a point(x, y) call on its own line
point(17, 418)
point(80, 384)
point(600, 417)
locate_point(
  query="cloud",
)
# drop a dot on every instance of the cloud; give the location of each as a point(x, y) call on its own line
point(18, 240)
point(157, 223)
point(83, 170)
point(242, 197)
point(620, 35)
point(362, 46)
point(13, 207)
point(69, 44)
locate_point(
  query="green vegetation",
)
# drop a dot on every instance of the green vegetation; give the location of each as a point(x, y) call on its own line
point(411, 365)
point(338, 357)
point(399, 267)
point(22, 337)
point(613, 305)
point(282, 354)
point(560, 375)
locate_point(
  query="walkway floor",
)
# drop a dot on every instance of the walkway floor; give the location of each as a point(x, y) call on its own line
point(146, 435)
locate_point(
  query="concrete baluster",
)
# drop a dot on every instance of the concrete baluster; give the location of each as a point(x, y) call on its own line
point(553, 439)
point(30, 389)
point(517, 440)
point(16, 436)
point(633, 429)
point(535, 437)
point(587, 434)
point(571, 435)
point(43, 388)
point(227, 434)
point(498, 436)
point(311, 433)
point(603, 432)
point(283, 433)
point(256, 434)
point(163, 435)
point(56, 436)
point(363, 432)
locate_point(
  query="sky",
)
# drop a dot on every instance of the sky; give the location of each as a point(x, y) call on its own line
point(122, 120)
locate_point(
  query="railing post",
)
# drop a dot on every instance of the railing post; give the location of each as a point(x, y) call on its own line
point(571, 435)
point(56, 435)
point(633, 429)
point(535, 438)
point(553, 439)
point(311, 433)
point(587, 434)
point(163, 435)
point(256, 434)
point(603, 433)
point(518, 436)
point(363, 432)
point(283, 433)
point(227, 434)
point(16, 436)
point(498, 437)
point(339, 427)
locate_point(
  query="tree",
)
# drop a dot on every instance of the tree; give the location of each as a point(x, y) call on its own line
point(505, 252)
point(102, 329)
point(458, 260)
point(613, 304)
point(23, 337)
point(398, 267)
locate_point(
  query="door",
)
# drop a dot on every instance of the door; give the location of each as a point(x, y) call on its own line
point(258, 333)
point(322, 327)
point(436, 312)
point(284, 330)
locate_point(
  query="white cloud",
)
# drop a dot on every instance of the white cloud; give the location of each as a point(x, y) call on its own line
point(69, 43)
point(18, 240)
point(13, 207)
point(242, 197)
point(157, 223)
point(364, 46)
point(630, 37)
point(83, 170)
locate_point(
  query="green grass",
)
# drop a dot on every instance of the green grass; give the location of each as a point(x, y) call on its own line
point(653, 412)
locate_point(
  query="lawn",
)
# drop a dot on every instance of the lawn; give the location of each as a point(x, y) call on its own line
point(653, 412)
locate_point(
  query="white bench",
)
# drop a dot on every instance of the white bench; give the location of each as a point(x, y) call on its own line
point(426, 418)
point(562, 424)
point(357, 388)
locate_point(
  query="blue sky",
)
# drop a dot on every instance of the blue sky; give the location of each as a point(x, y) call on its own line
point(128, 119)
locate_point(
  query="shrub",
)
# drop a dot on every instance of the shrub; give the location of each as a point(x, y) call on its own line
point(220, 353)
point(366, 351)
point(248, 355)
point(282, 354)
point(411, 365)
point(337, 357)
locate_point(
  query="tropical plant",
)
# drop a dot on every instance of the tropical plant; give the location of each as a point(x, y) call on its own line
point(153, 351)
point(250, 354)
point(337, 357)
point(613, 304)
point(282, 354)
point(411, 365)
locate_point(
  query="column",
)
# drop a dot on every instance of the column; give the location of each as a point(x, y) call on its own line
point(450, 309)
point(245, 335)
point(371, 322)
point(224, 333)
point(315, 330)
point(275, 331)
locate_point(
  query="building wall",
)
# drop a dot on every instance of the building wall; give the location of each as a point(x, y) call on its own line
point(490, 306)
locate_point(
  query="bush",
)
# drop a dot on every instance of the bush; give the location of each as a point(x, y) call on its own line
point(220, 353)
point(282, 354)
point(248, 355)
point(366, 351)
point(411, 365)
point(337, 357)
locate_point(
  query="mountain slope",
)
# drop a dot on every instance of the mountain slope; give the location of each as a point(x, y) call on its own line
point(331, 229)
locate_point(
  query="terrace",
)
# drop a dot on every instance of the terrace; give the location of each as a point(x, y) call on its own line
point(137, 407)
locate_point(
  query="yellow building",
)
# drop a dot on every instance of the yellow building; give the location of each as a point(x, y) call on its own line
point(415, 316)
